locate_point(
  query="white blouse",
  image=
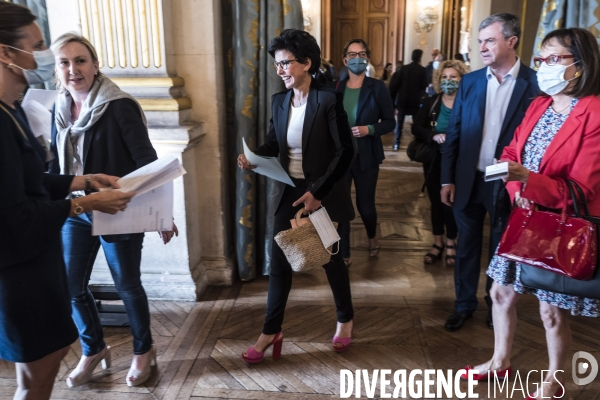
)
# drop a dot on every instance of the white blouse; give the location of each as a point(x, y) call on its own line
point(294, 140)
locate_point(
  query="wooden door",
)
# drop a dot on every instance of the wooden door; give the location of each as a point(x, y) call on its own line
point(379, 22)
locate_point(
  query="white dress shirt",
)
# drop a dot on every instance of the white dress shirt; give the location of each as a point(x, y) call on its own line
point(497, 99)
point(294, 140)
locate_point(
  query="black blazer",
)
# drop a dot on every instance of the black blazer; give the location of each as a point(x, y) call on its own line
point(465, 129)
point(375, 108)
point(429, 111)
point(115, 145)
point(407, 86)
point(327, 147)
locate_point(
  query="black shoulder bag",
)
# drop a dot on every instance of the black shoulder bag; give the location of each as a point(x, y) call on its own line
point(422, 151)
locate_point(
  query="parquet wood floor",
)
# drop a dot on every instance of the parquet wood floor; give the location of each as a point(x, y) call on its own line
point(401, 306)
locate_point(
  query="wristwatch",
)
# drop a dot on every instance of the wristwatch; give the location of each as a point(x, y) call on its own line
point(77, 210)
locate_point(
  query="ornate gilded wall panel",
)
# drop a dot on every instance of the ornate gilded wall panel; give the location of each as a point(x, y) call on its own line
point(127, 34)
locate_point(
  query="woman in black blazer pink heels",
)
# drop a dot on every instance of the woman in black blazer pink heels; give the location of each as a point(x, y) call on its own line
point(310, 134)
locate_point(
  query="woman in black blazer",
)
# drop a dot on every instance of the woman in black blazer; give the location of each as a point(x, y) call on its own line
point(310, 134)
point(371, 114)
point(36, 328)
point(430, 126)
point(100, 128)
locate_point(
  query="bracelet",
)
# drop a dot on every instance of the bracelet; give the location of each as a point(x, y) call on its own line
point(88, 183)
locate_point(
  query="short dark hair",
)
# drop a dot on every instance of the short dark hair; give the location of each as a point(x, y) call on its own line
point(416, 55)
point(359, 41)
point(301, 44)
point(13, 18)
point(510, 25)
point(583, 45)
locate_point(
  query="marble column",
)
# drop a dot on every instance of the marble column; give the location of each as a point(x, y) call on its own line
point(132, 39)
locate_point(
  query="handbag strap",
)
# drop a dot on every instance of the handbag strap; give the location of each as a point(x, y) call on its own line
point(16, 122)
point(577, 197)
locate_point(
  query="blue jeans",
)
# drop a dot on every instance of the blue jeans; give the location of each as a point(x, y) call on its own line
point(124, 257)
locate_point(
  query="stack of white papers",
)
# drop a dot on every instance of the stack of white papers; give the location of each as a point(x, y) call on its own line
point(37, 105)
point(151, 209)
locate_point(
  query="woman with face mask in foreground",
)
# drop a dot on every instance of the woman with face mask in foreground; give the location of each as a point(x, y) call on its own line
point(559, 139)
point(36, 328)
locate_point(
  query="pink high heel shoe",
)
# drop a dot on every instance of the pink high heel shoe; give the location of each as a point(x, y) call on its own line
point(341, 344)
point(252, 356)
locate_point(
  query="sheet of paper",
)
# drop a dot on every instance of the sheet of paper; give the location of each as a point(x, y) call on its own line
point(45, 97)
point(39, 118)
point(153, 175)
point(267, 166)
point(496, 171)
point(151, 211)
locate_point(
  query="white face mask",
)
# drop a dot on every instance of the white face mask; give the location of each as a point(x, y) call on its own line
point(44, 71)
point(436, 64)
point(551, 78)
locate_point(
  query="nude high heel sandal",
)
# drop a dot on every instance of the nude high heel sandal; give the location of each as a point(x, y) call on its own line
point(135, 377)
point(81, 376)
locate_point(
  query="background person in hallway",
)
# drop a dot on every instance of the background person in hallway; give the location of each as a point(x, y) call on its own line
point(100, 128)
point(489, 105)
point(386, 76)
point(310, 134)
point(371, 115)
point(36, 328)
point(406, 89)
point(559, 138)
point(430, 70)
point(430, 126)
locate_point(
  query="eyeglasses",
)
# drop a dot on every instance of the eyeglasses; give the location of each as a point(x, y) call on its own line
point(352, 54)
point(551, 60)
point(283, 64)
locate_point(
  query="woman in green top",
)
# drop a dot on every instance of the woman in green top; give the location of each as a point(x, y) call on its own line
point(371, 114)
point(430, 126)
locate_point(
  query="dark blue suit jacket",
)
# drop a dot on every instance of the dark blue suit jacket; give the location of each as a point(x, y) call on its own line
point(465, 129)
point(375, 108)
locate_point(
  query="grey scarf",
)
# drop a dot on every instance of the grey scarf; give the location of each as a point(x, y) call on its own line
point(103, 91)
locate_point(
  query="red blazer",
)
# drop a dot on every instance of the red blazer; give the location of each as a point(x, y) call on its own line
point(574, 153)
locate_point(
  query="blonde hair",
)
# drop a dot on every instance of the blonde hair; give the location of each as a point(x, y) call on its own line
point(71, 37)
point(459, 66)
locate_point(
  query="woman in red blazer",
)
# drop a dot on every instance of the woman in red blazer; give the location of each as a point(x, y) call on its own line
point(558, 139)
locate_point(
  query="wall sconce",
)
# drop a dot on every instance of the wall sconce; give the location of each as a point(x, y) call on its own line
point(427, 16)
point(306, 18)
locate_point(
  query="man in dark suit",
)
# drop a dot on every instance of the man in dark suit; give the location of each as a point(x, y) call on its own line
point(489, 105)
point(406, 89)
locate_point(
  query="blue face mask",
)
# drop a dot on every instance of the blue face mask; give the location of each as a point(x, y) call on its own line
point(357, 65)
point(44, 71)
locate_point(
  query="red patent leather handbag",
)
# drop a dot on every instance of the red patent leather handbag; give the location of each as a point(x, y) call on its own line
point(559, 243)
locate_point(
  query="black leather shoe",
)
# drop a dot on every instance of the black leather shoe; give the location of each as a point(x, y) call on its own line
point(456, 320)
point(395, 147)
point(490, 319)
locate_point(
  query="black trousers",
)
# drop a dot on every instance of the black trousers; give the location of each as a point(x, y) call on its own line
point(365, 184)
point(441, 214)
point(470, 222)
point(280, 279)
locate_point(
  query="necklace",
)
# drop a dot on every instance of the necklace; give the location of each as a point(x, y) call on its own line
point(560, 111)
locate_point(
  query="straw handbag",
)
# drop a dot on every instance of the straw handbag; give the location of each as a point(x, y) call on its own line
point(302, 245)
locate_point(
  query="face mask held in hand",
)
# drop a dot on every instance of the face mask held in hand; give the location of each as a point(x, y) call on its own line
point(551, 78)
point(357, 65)
point(449, 86)
point(44, 71)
